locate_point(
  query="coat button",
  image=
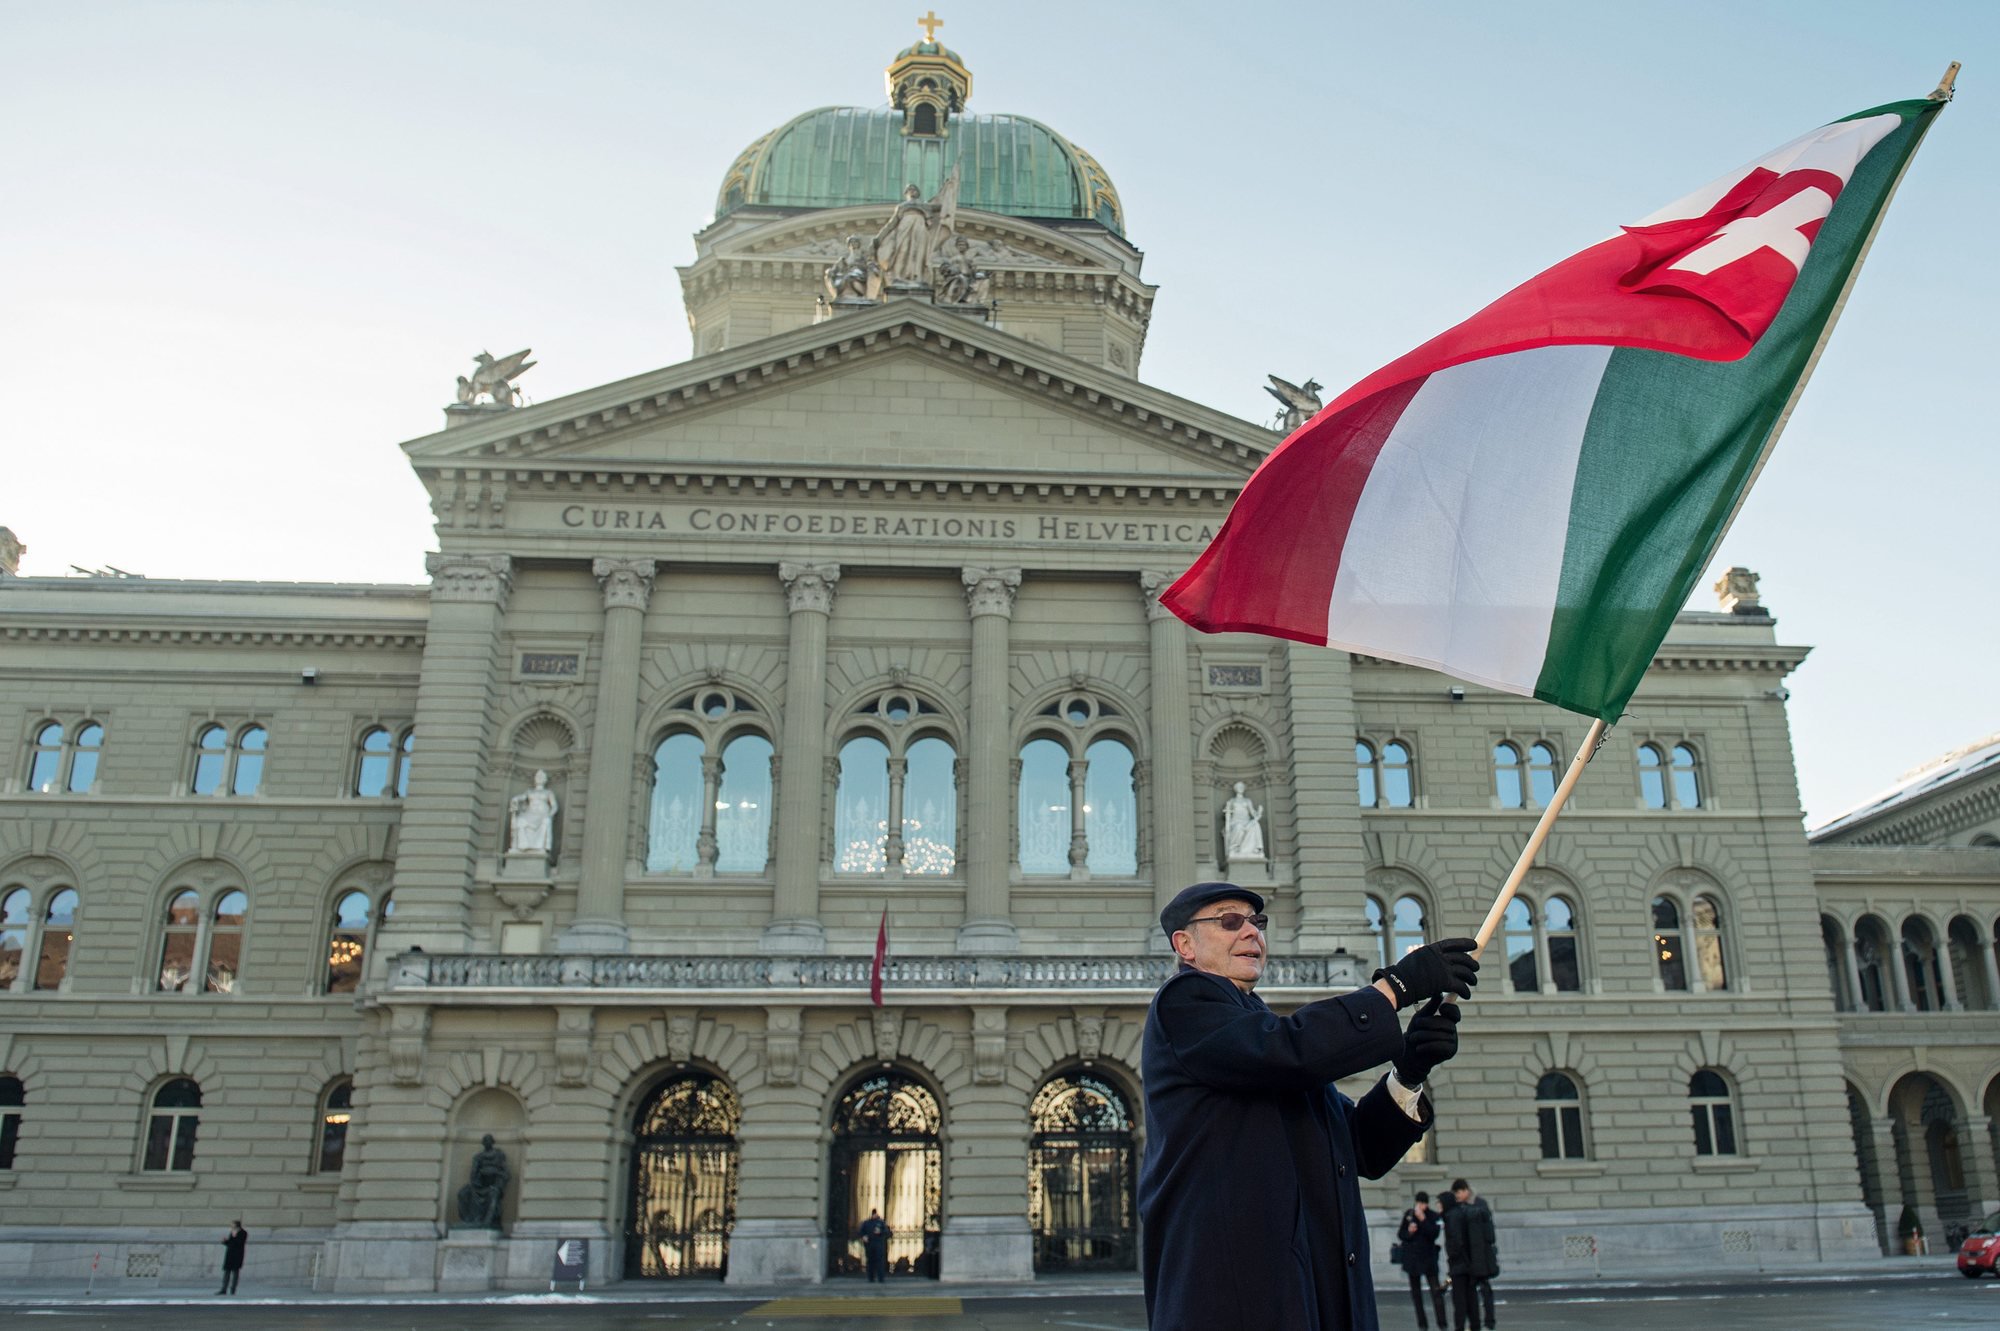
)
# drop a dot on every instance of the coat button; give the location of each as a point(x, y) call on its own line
point(1361, 1018)
point(1343, 1171)
point(1350, 1259)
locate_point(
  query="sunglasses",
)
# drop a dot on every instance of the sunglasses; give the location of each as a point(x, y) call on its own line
point(1234, 920)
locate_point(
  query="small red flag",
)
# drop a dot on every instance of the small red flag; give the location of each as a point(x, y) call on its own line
point(881, 960)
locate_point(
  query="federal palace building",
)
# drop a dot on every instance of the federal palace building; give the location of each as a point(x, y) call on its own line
point(583, 845)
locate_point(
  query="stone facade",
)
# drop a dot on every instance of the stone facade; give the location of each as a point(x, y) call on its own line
point(890, 525)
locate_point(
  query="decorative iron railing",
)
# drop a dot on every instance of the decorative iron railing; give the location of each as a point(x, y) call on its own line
point(419, 970)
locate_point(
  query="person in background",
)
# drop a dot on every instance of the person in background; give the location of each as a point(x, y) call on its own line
point(1473, 1252)
point(1418, 1234)
point(875, 1246)
point(233, 1245)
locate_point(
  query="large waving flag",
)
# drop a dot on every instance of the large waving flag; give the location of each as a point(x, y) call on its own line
point(1527, 499)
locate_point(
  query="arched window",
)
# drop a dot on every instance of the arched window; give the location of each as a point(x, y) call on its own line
point(1364, 773)
point(58, 938)
point(1559, 923)
point(225, 944)
point(171, 1127)
point(1559, 1114)
point(1871, 951)
point(1542, 772)
point(336, 1112)
point(1652, 777)
point(1081, 1172)
point(924, 119)
point(355, 919)
point(1920, 967)
point(178, 941)
point(1832, 944)
point(711, 802)
point(1708, 947)
point(225, 764)
point(930, 808)
point(1668, 948)
point(16, 918)
point(1517, 930)
point(1408, 927)
point(1508, 786)
point(1110, 810)
point(382, 764)
point(1962, 953)
point(1714, 1114)
point(861, 807)
point(1398, 780)
point(1687, 778)
point(59, 759)
point(1044, 807)
point(13, 1099)
point(1371, 910)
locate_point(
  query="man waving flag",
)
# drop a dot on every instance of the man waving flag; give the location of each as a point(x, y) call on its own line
point(1527, 499)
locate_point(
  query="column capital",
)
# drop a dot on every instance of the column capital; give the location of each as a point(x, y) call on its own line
point(470, 578)
point(1151, 583)
point(990, 591)
point(809, 586)
point(626, 582)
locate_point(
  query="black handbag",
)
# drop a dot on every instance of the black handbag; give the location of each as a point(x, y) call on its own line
point(1395, 1254)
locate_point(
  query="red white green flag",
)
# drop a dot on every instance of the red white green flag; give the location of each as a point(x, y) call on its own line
point(1527, 499)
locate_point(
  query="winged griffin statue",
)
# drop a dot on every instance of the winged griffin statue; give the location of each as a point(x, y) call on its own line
point(492, 379)
point(1300, 404)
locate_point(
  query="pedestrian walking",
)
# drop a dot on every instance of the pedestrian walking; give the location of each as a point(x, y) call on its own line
point(233, 1245)
point(1473, 1253)
point(1249, 1194)
point(1417, 1236)
point(874, 1237)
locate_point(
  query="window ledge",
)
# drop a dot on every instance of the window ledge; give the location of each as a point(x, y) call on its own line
point(1569, 1168)
point(7, 1177)
point(1724, 1164)
point(326, 1183)
point(156, 1181)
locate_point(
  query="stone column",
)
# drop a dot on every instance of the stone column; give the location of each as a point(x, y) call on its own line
point(705, 844)
point(439, 839)
point(599, 925)
point(989, 926)
point(1992, 976)
point(1853, 964)
point(1172, 744)
point(1899, 975)
point(892, 828)
point(795, 924)
point(1947, 982)
point(1079, 833)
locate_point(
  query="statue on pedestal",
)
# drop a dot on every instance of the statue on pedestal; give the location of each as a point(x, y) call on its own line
point(961, 281)
point(854, 276)
point(493, 379)
point(914, 232)
point(479, 1200)
point(1300, 402)
point(1242, 833)
point(531, 820)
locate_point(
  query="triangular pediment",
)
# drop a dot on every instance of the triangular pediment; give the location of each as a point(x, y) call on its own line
point(903, 389)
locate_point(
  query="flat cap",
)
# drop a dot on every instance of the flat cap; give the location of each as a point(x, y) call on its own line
point(1189, 901)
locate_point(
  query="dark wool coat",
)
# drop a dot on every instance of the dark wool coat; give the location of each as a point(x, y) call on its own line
point(232, 1249)
point(1250, 1194)
point(1420, 1250)
point(1470, 1245)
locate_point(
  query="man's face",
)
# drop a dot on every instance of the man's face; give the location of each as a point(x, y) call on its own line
point(1205, 945)
point(1463, 1194)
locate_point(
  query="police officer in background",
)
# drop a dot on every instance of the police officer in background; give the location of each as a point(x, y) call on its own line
point(1249, 1193)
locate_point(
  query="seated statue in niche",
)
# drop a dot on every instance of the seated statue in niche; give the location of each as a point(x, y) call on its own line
point(854, 276)
point(531, 820)
point(479, 1200)
point(960, 279)
point(1242, 832)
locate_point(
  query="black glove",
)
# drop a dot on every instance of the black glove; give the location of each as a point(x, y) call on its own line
point(1444, 967)
point(1432, 1039)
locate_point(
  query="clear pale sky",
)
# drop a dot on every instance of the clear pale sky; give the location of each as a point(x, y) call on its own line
point(249, 246)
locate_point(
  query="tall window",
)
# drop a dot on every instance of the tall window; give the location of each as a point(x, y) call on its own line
point(1714, 1114)
point(1687, 778)
point(1559, 925)
point(1408, 927)
point(16, 918)
point(1387, 777)
point(712, 796)
point(336, 1111)
point(210, 945)
point(171, 1127)
point(1669, 778)
point(354, 921)
point(13, 1099)
point(1508, 784)
point(58, 938)
point(930, 808)
point(1707, 915)
point(1517, 928)
point(225, 943)
point(1652, 777)
point(1832, 945)
point(861, 807)
point(1559, 1114)
point(224, 762)
point(1871, 952)
point(178, 940)
point(382, 766)
point(1668, 948)
point(1078, 804)
point(60, 759)
point(1542, 772)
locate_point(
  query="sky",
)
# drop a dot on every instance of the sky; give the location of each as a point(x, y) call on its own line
point(250, 246)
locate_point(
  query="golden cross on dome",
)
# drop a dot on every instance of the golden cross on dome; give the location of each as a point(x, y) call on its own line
point(930, 23)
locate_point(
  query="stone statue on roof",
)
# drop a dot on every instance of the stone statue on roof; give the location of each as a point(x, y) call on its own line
point(493, 378)
point(914, 232)
point(853, 276)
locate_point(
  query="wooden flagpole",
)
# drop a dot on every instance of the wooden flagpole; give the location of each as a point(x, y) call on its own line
point(1591, 741)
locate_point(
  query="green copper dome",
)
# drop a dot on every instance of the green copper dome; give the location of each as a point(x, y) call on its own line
point(842, 155)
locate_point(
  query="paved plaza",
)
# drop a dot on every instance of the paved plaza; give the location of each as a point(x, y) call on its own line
point(1868, 1303)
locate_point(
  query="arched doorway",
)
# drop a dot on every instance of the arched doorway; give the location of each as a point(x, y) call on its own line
point(1924, 1121)
point(1080, 1176)
point(885, 1156)
point(682, 1202)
